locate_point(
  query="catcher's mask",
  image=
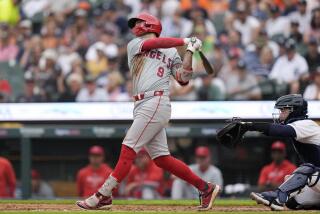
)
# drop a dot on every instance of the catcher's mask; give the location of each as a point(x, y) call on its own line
point(295, 104)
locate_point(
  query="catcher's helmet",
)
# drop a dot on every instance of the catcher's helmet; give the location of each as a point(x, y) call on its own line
point(151, 24)
point(299, 107)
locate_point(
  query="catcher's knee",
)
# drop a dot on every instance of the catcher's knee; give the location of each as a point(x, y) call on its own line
point(312, 172)
point(302, 176)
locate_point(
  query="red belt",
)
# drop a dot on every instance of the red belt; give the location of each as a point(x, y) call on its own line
point(147, 94)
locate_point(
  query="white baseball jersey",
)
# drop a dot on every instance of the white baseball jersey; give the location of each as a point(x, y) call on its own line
point(307, 141)
point(307, 145)
point(151, 70)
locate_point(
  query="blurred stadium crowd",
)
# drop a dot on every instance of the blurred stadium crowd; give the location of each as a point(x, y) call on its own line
point(75, 50)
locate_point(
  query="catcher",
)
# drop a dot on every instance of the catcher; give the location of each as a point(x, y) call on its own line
point(301, 189)
point(152, 60)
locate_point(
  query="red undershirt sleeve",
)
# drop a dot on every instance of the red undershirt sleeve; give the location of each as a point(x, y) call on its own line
point(164, 42)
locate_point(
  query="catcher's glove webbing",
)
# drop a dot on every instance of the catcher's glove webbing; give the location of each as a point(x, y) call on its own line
point(232, 134)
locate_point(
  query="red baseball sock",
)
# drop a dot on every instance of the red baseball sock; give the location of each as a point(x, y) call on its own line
point(181, 170)
point(127, 155)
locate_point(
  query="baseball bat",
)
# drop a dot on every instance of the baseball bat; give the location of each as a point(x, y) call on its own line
point(206, 64)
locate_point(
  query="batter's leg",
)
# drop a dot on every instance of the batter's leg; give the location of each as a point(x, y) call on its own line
point(158, 150)
point(149, 119)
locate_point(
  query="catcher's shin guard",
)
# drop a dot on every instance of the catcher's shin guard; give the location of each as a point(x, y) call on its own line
point(306, 174)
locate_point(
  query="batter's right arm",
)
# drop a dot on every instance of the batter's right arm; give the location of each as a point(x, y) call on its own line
point(166, 42)
point(183, 71)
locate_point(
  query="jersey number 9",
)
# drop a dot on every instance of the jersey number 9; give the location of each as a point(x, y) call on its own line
point(160, 71)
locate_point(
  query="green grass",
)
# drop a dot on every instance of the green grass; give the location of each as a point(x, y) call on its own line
point(218, 203)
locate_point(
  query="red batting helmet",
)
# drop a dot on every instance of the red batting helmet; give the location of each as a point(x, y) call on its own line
point(151, 24)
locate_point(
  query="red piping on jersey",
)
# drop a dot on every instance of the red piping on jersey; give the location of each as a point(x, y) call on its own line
point(148, 123)
point(165, 42)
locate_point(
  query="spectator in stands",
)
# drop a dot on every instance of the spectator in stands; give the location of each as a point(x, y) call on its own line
point(200, 18)
point(210, 88)
point(8, 48)
point(25, 32)
point(144, 178)
point(50, 77)
point(242, 85)
point(74, 83)
point(281, 40)
point(233, 41)
point(176, 25)
point(289, 68)
point(99, 64)
point(277, 24)
point(312, 91)
point(204, 169)
point(50, 33)
point(98, 54)
point(7, 179)
point(91, 177)
point(253, 55)
point(313, 56)
point(32, 50)
point(31, 92)
point(314, 30)
point(266, 60)
point(114, 87)
point(273, 174)
point(246, 24)
point(91, 93)
point(295, 33)
point(83, 30)
point(302, 16)
point(229, 65)
point(67, 58)
point(40, 188)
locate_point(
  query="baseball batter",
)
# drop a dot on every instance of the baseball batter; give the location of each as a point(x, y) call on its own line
point(152, 60)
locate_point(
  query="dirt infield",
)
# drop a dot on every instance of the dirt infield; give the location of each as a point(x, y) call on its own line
point(135, 208)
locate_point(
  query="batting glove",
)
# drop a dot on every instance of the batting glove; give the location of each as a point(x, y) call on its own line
point(194, 45)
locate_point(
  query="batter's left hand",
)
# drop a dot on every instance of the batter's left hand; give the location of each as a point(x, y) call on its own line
point(195, 44)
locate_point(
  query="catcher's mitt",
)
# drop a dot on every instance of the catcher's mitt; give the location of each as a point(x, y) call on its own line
point(232, 134)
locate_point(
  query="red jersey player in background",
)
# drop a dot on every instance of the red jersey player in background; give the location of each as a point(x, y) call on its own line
point(144, 178)
point(91, 177)
point(273, 174)
point(7, 179)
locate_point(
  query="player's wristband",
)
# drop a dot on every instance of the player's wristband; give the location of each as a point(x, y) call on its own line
point(186, 40)
point(191, 49)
